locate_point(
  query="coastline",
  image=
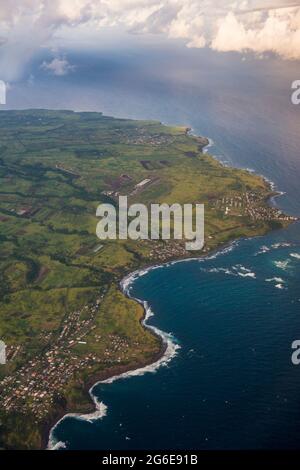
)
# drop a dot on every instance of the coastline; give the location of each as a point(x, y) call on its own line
point(97, 410)
point(110, 375)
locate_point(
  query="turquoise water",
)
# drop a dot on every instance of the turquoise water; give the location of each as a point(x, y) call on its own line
point(232, 384)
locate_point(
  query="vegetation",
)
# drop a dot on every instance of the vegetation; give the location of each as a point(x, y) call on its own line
point(55, 168)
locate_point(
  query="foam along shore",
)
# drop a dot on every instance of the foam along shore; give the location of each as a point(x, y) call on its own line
point(169, 345)
point(169, 351)
point(272, 185)
point(99, 413)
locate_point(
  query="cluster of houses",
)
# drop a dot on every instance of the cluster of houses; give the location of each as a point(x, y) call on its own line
point(250, 204)
point(168, 249)
point(142, 137)
point(35, 385)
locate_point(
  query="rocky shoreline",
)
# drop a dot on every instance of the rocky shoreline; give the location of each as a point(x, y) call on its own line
point(65, 406)
point(119, 370)
point(106, 374)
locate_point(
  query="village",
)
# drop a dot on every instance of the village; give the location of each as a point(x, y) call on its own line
point(36, 385)
point(143, 137)
point(251, 204)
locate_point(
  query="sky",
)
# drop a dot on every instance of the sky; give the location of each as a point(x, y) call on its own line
point(28, 27)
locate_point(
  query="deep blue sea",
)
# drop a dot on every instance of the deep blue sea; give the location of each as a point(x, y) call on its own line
point(232, 384)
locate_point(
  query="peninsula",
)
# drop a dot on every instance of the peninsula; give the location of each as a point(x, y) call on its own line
point(63, 317)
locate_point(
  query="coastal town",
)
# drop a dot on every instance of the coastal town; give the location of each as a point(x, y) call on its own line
point(37, 384)
point(251, 204)
point(64, 319)
point(140, 136)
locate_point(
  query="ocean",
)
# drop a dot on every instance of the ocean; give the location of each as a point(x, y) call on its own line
point(228, 381)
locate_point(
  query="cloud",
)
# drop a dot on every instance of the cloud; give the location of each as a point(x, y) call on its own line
point(224, 25)
point(58, 67)
point(278, 32)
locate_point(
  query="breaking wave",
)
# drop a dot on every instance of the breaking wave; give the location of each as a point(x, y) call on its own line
point(265, 249)
point(276, 279)
point(171, 348)
point(237, 270)
point(170, 352)
point(284, 264)
point(99, 413)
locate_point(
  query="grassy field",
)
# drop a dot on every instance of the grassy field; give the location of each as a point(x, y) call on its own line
point(55, 168)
